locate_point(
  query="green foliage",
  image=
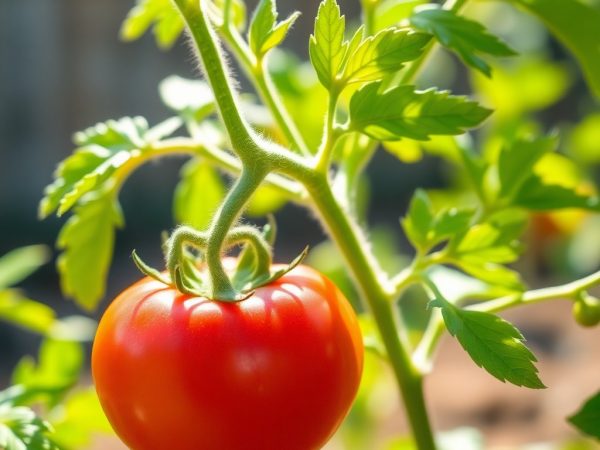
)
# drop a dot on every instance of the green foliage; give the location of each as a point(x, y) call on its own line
point(405, 112)
point(467, 37)
point(18, 264)
point(425, 228)
point(198, 194)
point(29, 314)
point(385, 53)
point(21, 429)
point(87, 240)
point(102, 150)
point(575, 24)
point(493, 344)
point(161, 14)
point(587, 419)
point(264, 32)
point(327, 46)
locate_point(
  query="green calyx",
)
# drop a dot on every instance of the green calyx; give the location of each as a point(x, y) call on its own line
point(189, 272)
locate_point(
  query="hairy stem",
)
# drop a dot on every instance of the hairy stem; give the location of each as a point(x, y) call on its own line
point(228, 213)
point(211, 60)
point(365, 271)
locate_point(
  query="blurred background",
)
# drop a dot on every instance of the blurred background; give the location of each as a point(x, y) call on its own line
point(63, 68)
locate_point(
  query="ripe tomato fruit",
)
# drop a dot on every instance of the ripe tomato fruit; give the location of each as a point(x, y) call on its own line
point(277, 371)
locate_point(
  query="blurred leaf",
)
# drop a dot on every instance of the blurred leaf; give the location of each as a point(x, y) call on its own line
point(382, 54)
point(587, 419)
point(21, 429)
point(516, 162)
point(102, 149)
point(27, 313)
point(168, 23)
point(18, 264)
point(493, 274)
point(327, 47)
point(405, 112)
point(467, 37)
point(87, 241)
point(192, 97)
point(575, 24)
point(57, 370)
point(265, 33)
point(198, 195)
point(79, 419)
point(536, 195)
point(391, 12)
point(493, 344)
point(419, 219)
point(426, 228)
point(528, 85)
point(584, 140)
point(266, 200)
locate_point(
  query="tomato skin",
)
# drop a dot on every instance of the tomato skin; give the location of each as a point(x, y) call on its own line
point(277, 371)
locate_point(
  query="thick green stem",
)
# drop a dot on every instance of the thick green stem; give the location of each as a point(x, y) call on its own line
point(239, 132)
point(369, 279)
point(238, 196)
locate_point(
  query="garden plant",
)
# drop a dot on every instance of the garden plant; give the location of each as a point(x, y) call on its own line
point(230, 351)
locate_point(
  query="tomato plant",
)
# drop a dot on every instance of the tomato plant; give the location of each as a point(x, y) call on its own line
point(277, 370)
point(174, 354)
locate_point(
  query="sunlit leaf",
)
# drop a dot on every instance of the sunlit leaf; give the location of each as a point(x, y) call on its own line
point(493, 344)
point(327, 46)
point(406, 112)
point(87, 241)
point(198, 195)
point(467, 37)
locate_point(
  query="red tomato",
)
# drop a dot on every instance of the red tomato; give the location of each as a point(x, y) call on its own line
point(277, 371)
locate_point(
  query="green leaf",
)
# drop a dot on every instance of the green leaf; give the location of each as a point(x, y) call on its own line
point(383, 54)
point(426, 228)
point(575, 24)
point(266, 200)
point(419, 219)
point(392, 12)
point(21, 429)
point(198, 195)
point(79, 420)
point(87, 239)
point(193, 99)
point(493, 274)
point(102, 150)
point(265, 33)
point(466, 37)
point(18, 264)
point(57, 370)
point(484, 243)
point(536, 195)
point(516, 162)
point(405, 112)
point(327, 47)
point(493, 344)
point(587, 419)
point(168, 23)
point(24, 312)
